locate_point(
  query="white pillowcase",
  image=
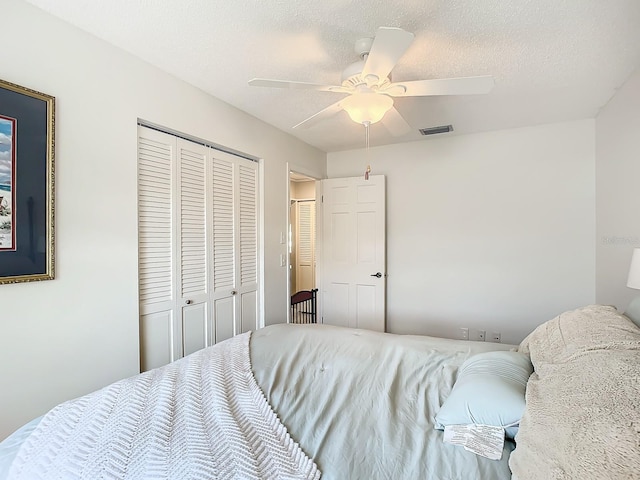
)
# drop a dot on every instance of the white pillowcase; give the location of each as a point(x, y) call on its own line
point(490, 390)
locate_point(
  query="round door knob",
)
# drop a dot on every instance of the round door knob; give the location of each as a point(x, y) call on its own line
point(188, 302)
point(233, 292)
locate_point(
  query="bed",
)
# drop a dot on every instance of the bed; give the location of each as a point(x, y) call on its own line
point(354, 404)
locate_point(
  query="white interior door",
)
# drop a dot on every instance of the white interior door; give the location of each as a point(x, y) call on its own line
point(353, 274)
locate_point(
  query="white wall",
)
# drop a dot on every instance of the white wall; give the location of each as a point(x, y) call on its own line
point(304, 190)
point(617, 193)
point(65, 337)
point(493, 231)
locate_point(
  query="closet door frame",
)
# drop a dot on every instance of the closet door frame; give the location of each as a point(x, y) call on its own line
point(292, 167)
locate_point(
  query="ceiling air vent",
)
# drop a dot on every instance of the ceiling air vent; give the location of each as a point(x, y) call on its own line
point(436, 130)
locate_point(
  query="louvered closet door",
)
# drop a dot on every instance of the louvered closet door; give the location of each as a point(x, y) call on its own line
point(247, 273)
point(198, 246)
point(156, 247)
point(305, 267)
point(193, 287)
point(234, 244)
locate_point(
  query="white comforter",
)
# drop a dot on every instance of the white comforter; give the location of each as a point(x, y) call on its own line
point(359, 403)
point(203, 417)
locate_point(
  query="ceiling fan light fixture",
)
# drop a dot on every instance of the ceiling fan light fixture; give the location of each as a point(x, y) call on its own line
point(372, 88)
point(367, 107)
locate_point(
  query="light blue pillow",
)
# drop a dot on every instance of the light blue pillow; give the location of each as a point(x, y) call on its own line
point(489, 390)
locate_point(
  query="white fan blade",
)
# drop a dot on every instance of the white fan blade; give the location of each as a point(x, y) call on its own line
point(387, 48)
point(443, 86)
point(321, 115)
point(394, 122)
point(266, 82)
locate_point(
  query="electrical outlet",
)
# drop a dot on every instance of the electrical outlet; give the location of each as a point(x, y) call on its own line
point(464, 333)
point(477, 335)
point(496, 337)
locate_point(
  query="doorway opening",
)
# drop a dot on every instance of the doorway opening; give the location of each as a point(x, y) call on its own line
point(302, 248)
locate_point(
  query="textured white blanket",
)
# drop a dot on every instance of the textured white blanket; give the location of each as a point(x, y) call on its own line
point(202, 417)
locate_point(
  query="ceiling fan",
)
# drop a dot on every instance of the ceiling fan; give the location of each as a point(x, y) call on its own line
point(369, 86)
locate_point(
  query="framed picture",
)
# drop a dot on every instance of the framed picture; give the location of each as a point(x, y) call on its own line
point(27, 144)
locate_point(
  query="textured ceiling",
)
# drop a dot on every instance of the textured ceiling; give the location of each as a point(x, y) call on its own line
point(552, 60)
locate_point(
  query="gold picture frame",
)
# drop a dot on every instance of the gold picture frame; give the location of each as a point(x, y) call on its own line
point(27, 174)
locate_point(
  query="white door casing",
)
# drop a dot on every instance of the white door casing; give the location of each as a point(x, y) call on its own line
point(354, 252)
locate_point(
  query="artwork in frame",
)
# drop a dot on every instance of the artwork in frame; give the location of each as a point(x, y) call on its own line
point(7, 172)
point(27, 145)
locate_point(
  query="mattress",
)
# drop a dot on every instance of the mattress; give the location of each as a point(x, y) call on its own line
point(361, 404)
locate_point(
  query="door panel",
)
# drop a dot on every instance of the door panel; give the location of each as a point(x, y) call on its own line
point(249, 306)
point(339, 246)
point(155, 339)
point(365, 248)
point(365, 304)
point(336, 305)
point(354, 251)
point(223, 318)
point(367, 193)
point(194, 328)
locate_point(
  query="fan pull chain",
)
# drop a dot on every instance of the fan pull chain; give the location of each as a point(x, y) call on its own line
point(366, 140)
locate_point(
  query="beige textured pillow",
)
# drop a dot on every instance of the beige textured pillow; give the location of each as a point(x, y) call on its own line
point(587, 328)
point(582, 416)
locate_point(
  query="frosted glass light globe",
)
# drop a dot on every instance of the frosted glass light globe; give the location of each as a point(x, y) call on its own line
point(367, 106)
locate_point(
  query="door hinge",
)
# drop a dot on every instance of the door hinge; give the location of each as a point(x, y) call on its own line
point(322, 199)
